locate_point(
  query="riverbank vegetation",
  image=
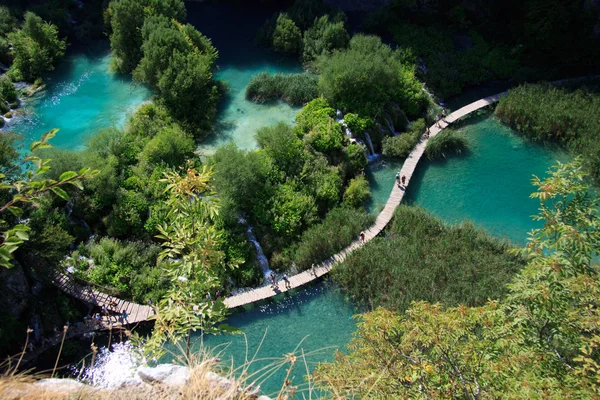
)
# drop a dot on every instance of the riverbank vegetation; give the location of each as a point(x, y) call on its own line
point(421, 258)
point(561, 115)
point(400, 146)
point(294, 89)
point(538, 339)
point(445, 143)
point(296, 177)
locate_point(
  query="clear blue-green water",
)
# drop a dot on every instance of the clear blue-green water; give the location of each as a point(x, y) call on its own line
point(315, 320)
point(489, 185)
point(81, 97)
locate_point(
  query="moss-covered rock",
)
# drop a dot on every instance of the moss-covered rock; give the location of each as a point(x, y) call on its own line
point(8, 114)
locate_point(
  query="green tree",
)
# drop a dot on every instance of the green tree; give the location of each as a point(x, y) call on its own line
point(126, 19)
point(287, 38)
point(28, 190)
point(283, 147)
point(36, 47)
point(366, 76)
point(322, 38)
point(357, 192)
point(171, 146)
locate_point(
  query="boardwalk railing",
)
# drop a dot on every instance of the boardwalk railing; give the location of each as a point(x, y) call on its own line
point(138, 313)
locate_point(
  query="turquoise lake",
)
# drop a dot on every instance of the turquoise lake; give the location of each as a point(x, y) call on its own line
point(489, 185)
point(81, 97)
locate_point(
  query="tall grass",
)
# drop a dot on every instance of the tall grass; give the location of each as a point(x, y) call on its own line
point(568, 117)
point(445, 143)
point(340, 227)
point(421, 258)
point(294, 89)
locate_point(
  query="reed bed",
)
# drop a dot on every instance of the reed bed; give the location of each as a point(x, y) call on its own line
point(569, 117)
point(294, 89)
point(445, 143)
point(422, 258)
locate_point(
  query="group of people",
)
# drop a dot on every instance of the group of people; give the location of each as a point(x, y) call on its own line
point(400, 179)
point(285, 278)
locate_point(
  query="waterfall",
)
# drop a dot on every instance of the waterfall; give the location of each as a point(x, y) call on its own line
point(260, 255)
point(339, 115)
point(114, 368)
point(369, 142)
point(390, 126)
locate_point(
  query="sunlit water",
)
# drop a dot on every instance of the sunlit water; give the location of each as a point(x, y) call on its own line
point(489, 185)
point(82, 97)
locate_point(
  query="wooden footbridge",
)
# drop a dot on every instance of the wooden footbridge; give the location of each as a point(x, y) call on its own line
point(138, 313)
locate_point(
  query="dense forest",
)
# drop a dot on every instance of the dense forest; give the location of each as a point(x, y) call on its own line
point(141, 215)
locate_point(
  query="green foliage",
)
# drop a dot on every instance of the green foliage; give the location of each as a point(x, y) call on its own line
point(36, 47)
point(541, 340)
point(357, 124)
point(304, 12)
point(126, 19)
point(357, 192)
point(291, 210)
point(400, 146)
point(50, 235)
point(340, 227)
point(8, 23)
point(287, 38)
point(356, 159)
point(283, 147)
point(294, 89)
point(171, 146)
point(367, 76)
point(128, 215)
point(315, 122)
point(28, 190)
point(8, 92)
point(322, 38)
point(423, 259)
point(9, 156)
point(546, 113)
point(446, 142)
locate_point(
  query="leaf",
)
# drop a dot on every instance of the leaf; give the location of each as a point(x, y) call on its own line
point(16, 211)
point(22, 235)
point(60, 193)
point(77, 184)
point(65, 176)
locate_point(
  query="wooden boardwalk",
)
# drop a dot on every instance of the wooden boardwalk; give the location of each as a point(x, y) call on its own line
point(139, 313)
point(395, 198)
point(135, 312)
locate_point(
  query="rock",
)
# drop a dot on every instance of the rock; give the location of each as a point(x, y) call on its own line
point(263, 398)
point(14, 104)
point(8, 115)
point(168, 374)
point(59, 385)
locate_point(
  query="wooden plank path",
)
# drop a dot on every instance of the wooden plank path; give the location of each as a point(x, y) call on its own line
point(139, 313)
point(136, 312)
point(395, 198)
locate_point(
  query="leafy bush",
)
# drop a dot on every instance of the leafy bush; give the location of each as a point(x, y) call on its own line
point(323, 37)
point(290, 210)
point(315, 122)
point(8, 92)
point(568, 117)
point(357, 124)
point(287, 38)
point(340, 227)
point(283, 147)
point(294, 89)
point(36, 47)
point(400, 146)
point(446, 142)
point(171, 146)
point(368, 75)
point(421, 258)
point(357, 192)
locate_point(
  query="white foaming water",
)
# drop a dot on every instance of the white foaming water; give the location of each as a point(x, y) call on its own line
point(370, 143)
point(114, 368)
point(263, 262)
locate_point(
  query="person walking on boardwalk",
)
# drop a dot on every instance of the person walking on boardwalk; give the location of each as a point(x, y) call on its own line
point(444, 115)
point(273, 280)
point(426, 132)
point(404, 180)
point(437, 120)
point(124, 315)
point(313, 268)
point(288, 285)
point(362, 237)
point(398, 178)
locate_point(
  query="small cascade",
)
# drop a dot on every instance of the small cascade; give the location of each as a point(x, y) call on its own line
point(390, 126)
point(114, 368)
point(369, 142)
point(339, 115)
point(260, 255)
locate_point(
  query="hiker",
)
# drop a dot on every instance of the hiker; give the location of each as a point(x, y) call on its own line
point(104, 309)
point(437, 120)
point(427, 132)
point(274, 280)
point(362, 237)
point(124, 316)
point(403, 180)
point(313, 268)
point(398, 178)
point(444, 115)
point(288, 285)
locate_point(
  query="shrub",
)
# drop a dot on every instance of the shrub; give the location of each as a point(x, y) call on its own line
point(368, 75)
point(340, 227)
point(290, 210)
point(323, 37)
point(171, 146)
point(446, 142)
point(357, 124)
point(357, 192)
point(316, 123)
point(421, 258)
point(294, 89)
point(36, 47)
point(355, 158)
point(400, 146)
point(8, 92)
point(287, 38)
point(285, 149)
